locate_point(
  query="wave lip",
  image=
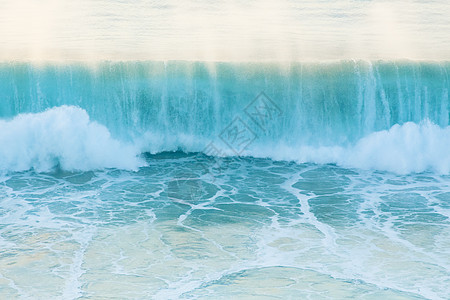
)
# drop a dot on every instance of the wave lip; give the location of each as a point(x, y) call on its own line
point(63, 136)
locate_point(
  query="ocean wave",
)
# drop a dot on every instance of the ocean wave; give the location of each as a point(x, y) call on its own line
point(67, 138)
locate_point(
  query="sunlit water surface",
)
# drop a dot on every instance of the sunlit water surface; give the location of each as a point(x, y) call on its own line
point(224, 30)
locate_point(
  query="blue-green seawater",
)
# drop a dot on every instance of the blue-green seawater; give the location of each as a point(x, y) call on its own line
point(106, 191)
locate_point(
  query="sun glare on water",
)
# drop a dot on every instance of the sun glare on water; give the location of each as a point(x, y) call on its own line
point(283, 30)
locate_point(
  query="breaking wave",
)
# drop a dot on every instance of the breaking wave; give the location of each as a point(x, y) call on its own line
point(391, 116)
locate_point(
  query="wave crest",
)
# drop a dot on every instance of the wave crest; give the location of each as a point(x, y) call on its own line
point(66, 137)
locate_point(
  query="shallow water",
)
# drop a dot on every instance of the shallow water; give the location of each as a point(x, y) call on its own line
point(196, 227)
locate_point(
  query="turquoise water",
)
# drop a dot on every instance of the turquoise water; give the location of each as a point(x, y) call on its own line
point(198, 180)
point(262, 229)
point(324, 102)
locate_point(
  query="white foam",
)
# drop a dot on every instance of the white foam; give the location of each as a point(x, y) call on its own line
point(403, 149)
point(63, 136)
